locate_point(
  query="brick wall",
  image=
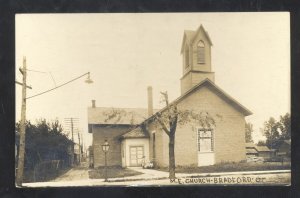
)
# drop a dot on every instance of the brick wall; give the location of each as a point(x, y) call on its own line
point(161, 142)
point(100, 134)
point(229, 132)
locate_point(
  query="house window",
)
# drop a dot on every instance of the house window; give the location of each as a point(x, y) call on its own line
point(205, 140)
point(187, 56)
point(200, 52)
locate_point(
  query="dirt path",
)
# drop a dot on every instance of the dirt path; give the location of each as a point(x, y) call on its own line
point(77, 173)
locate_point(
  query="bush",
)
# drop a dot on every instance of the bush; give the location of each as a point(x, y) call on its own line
point(45, 171)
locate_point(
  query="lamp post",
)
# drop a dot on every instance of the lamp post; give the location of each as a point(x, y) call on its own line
point(105, 148)
point(21, 152)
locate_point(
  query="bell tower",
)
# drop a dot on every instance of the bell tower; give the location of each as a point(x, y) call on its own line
point(196, 53)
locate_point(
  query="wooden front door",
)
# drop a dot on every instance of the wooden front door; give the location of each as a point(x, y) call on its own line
point(136, 155)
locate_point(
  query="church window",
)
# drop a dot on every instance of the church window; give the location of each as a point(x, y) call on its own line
point(200, 52)
point(187, 56)
point(205, 140)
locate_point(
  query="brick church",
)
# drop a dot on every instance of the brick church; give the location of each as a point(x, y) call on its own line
point(131, 142)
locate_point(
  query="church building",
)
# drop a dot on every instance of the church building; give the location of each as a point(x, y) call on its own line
point(134, 138)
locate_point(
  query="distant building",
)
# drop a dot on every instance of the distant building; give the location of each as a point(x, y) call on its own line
point(264, 151)
point(258, 151)
point(284, 149)
point(134, 138)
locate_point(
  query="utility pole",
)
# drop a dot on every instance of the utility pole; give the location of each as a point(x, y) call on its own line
point(72, 123)
point(20, 170)
point(79, 147)
point(72, 131)
point(82, 147)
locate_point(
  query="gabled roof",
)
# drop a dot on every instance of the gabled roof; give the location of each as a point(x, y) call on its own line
point(117, 116)
point(138, 132)
point(190, 35)
point(208, 83)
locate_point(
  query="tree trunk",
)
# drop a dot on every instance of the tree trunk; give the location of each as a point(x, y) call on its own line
point(171, 156)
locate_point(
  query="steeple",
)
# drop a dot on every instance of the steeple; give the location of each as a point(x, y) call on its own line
point(196, 54)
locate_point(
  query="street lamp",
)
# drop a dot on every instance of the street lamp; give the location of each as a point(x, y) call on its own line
point(105, 148)
point(88, 80)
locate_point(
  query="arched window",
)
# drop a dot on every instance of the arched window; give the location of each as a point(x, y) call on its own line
point(187, 56)
point(200, 52)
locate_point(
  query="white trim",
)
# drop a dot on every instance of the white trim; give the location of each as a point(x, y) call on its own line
point(206, 158)
point(212, 138)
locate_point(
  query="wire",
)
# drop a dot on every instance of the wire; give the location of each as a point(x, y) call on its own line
point(43, 73)
point(52, 79)
point(58, 86)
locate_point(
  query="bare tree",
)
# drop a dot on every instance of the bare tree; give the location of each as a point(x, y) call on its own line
point(171, 117)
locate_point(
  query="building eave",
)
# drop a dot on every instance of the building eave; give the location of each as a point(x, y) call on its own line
point(232, 101)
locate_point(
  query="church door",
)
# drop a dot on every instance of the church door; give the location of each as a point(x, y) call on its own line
point(136, 155)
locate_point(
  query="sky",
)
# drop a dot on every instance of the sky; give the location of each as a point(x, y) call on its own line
point(125, 53)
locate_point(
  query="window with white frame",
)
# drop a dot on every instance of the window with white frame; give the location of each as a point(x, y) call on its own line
point(200, 52)
point(205, 140)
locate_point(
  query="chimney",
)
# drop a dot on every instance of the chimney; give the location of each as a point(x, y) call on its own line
point(150, 101)
point(93, 103)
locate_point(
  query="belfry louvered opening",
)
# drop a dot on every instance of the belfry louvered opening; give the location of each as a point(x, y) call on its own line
point(201, 52)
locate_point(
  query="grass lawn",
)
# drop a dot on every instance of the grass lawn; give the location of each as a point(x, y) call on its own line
point(112, 172)
point(232, 167)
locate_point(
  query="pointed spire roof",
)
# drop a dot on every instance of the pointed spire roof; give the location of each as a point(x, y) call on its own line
point(190, 35)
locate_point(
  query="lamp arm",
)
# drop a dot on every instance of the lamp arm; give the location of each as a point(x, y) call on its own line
point(58, 86)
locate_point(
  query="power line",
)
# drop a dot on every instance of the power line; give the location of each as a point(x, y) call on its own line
point(58, 86)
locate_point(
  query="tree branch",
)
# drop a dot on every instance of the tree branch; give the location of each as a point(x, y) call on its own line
point(163, 125)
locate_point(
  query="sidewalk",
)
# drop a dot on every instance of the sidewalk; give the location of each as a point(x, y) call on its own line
point(77, 177)
point(150, 174)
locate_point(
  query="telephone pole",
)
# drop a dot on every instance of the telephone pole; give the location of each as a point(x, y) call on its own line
point(20, 170)
point(79, 147)
point(71, 123)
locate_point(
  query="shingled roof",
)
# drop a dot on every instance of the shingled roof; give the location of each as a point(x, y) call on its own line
point(117, 116)
point(138, 132)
